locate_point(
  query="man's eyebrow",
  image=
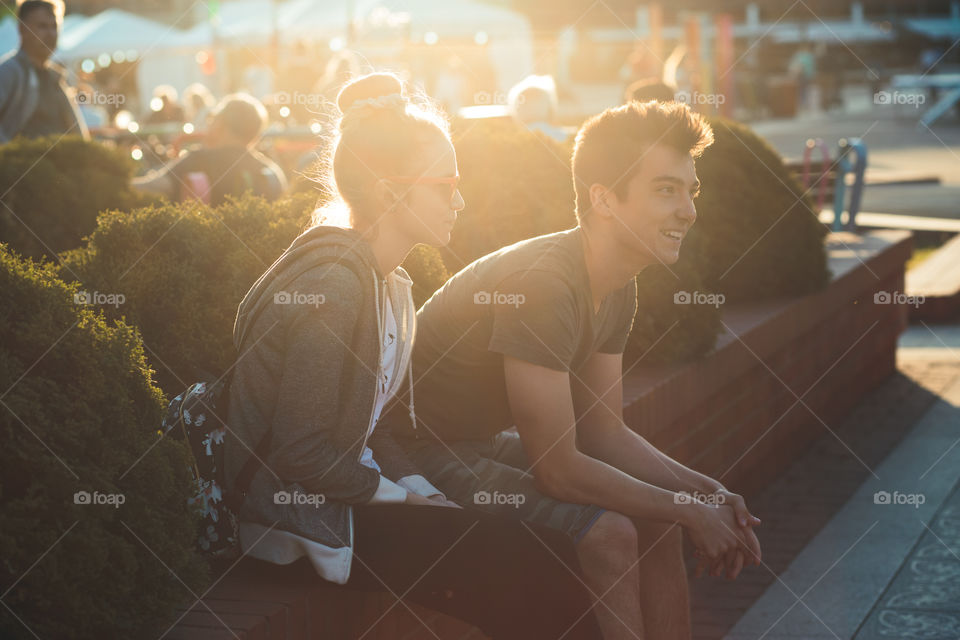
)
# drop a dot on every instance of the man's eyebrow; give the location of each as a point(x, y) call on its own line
point(675, 180)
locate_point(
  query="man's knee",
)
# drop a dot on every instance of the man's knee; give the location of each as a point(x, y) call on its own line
point(613, 536)
point(658, 537)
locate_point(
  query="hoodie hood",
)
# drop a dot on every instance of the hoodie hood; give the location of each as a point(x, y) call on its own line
point(316, 246)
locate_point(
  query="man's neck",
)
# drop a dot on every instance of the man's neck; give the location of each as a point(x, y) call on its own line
point(607, 267)
point(39, 60)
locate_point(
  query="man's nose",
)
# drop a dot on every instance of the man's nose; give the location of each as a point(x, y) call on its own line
point(688, 212)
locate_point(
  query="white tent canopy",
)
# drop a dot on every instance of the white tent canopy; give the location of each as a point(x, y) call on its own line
point(109, 31)
point(242, 22)
point(508, 37)
point(450, 19)
point(315, 19)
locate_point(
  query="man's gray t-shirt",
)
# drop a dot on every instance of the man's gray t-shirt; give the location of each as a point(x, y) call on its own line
point(531, 301)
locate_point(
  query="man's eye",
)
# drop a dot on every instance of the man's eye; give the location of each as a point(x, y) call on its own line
point(668, 190)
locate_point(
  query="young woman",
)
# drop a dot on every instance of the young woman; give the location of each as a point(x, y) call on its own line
point(324, 340)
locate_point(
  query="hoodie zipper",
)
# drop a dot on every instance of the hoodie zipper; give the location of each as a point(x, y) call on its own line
point(373, 407)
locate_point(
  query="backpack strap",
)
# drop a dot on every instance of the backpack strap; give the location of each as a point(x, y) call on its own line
point(234, 499)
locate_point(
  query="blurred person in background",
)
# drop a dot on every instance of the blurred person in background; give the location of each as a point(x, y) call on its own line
point(227, 164)
point(803, 68)
point(198, 103)
point(164, 107)
point(649, 89)
point(34, 97)
point(533, 103)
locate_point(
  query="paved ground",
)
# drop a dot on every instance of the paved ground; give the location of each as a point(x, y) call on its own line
point(923, 601)
point(798, 508)
point(896, 146)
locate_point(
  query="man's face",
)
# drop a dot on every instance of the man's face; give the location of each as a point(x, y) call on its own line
point(658, 209)
point(38, 32)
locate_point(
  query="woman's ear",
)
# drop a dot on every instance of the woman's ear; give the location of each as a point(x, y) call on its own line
point(385, 195)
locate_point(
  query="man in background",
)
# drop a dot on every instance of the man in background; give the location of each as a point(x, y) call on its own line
point(35, 100)
point(227, 164)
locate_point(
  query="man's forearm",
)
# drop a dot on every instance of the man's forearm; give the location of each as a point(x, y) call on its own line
point(632, 454)
point(587, 480)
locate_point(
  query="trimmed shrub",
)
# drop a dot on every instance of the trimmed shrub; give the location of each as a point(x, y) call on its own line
point(516, 185)
point(184, 268)
point(756, 235)
point(53, 190)
point(79, 426)
point(668, 327)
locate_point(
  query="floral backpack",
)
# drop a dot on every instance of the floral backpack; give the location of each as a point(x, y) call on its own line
point(200, 412)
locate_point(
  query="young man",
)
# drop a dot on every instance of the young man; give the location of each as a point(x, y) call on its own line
point(227, 164)
point(532, 336)
point(34, 98)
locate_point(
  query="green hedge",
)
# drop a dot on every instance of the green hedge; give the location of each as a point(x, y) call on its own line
point(81, 414)
point(756, 235)
point(516, 185)
point(52, 192)
point(184, 268)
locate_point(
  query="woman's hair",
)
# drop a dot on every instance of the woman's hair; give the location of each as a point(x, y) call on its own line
point(380, 132)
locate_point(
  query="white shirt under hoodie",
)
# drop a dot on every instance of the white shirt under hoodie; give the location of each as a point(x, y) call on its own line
point(396, 340)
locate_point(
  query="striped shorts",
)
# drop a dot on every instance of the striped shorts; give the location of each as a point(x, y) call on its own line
point(491, 475)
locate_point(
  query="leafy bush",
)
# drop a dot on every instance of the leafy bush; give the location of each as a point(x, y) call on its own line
point(516, 185)
point(183, 270)
point(53, 190)
point(81, 414)
point(663, 330)
point(756, 236)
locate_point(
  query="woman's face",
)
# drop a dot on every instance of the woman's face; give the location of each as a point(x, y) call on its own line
point(429, 211)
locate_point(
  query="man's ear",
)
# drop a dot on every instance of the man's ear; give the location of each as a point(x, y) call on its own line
point(602, 200)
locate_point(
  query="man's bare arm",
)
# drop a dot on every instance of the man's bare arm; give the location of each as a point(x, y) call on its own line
point(542, 408)
point(598, 402)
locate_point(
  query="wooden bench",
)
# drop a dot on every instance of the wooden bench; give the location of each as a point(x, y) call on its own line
point(733, 414)
point(937, 279)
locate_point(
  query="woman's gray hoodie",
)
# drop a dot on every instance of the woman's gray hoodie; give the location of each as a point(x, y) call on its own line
point(308, 341)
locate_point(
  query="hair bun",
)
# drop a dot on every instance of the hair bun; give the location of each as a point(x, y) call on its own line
point(368, 87)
